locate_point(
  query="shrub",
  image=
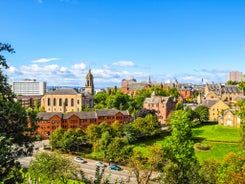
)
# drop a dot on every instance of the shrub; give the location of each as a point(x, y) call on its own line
point(202, 146)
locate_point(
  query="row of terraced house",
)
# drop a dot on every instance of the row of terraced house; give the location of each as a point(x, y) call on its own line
point(49, 121)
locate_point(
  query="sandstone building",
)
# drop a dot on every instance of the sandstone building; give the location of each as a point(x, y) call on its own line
point(69, 99)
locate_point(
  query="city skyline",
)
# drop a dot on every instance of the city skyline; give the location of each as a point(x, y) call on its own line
point(58, 41)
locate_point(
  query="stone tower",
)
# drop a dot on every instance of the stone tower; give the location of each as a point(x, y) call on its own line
point(89, 86)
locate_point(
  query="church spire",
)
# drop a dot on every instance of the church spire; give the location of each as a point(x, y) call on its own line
point(89, 86)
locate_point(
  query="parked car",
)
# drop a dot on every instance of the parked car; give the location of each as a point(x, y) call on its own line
point(80, 160)
point(100, 164)
point(115, 167)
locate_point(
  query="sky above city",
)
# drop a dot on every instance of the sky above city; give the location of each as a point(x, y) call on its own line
point(58, 41)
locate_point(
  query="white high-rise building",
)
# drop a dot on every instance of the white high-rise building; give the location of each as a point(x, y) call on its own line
point(235, 76)
point(29, 87)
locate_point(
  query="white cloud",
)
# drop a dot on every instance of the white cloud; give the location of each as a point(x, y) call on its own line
point(124, 63)
point(79, 66)
point(45, 60)
point(11, 69)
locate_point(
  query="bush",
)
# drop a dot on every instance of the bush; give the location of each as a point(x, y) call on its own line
point(202, 146)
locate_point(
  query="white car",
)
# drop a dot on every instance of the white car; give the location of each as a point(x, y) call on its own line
point(100, 164)
point(80, 160)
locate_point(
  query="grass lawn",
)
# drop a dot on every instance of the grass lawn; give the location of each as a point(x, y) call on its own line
point(217, 152)
point(221, 139)
point(217, 133)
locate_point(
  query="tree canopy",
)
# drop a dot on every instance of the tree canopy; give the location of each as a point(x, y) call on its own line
point(17, 124)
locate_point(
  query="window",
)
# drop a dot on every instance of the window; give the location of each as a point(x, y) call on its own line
point(72, 102)
point(60, 102)
point(48, 101)
point(54, 102)
point(66, 102)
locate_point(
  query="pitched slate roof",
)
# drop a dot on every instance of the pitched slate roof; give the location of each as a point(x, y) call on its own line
point(63, 91)
point(108, 112)
point(48, 115)
point(224, 88)
point(156, 100)
point(81, 115)
point(209, 103)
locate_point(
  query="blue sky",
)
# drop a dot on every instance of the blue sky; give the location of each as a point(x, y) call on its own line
point(59, 40)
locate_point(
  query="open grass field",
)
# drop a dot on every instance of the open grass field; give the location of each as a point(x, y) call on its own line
point(217, 152)
point(221, 139)
point(217, 133)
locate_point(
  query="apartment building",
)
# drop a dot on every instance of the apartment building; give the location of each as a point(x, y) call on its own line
point(49, 121)
point(29, 87)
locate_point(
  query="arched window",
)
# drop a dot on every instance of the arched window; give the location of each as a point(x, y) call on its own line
point(72, 102)
point(60, 102)
point(48, 101)
point(54, 102)
point(66, 102)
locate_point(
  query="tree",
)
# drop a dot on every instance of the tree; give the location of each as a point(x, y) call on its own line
point(93, 133)
point(56, 137)
point(51, 168)
point(209, 170)
point(241, 114)
point(142, 166)
point(118, 150)
point(117, 129)
point(104, 141)
point(202, 112)
point(68, 141)
point(173, 92)
point(232, 169)
point(179, 149)
point(17, 126)
point(9, 167)
point(147, 126)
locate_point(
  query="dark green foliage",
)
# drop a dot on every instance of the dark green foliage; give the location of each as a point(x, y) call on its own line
point(68, 141)
point(17, 125)
point(202, 112)
point(209, 170)
point(9, 167)
point(179, 149)
point(118, 150)
point(51, 168)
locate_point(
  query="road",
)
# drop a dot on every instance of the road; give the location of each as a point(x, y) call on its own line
point(88, 168)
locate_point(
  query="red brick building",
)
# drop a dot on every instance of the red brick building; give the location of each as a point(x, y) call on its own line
point(163, 106)
point(49, 121)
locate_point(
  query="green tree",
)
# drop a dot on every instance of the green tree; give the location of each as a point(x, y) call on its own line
point(9, 167)
point(131, 133)
point(179, 106)
point(143, 166)
point(147, 126)
point(17, 126)
point(179, 149)
point(118, 150)
point(173, 92)
point(104, 141)
point(56, 137)
point(209, 170)
point(51, 168)
point(202, 112)
point(117, 129)
point(68, 141)
point(241, 114)
point(232, 169)
point(93, 133)
point(100, 100)
point(140, 97)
